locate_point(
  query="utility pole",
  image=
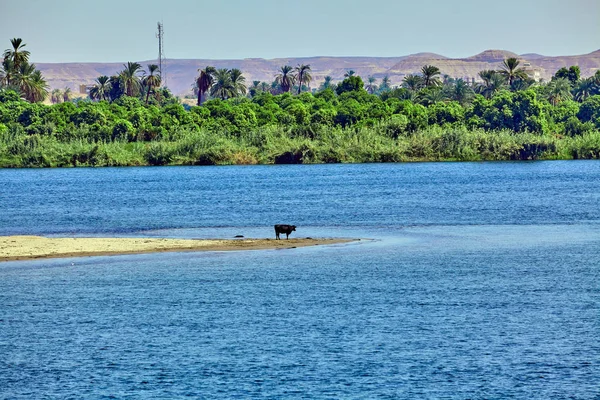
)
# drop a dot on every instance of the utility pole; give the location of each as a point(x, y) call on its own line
point(161, 54)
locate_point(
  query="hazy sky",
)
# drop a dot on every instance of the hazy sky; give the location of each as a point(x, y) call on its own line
point(123, 30)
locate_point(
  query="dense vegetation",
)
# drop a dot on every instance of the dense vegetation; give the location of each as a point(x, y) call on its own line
point(18, 74)
point(130, 120)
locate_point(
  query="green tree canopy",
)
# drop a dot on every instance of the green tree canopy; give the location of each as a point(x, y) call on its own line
point(572, 74)
point(352, 83)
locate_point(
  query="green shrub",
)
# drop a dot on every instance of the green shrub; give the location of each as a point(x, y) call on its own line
point(590, 110)
point(123, 131)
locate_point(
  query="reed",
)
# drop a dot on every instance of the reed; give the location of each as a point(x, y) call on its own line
point(278, 144)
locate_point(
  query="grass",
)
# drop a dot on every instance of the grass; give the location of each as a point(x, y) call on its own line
point(272, 144)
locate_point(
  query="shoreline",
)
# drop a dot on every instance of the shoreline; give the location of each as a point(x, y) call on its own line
point(19, 248)
point(412, 160)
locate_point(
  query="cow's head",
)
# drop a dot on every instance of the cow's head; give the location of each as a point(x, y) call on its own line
point(293, 227)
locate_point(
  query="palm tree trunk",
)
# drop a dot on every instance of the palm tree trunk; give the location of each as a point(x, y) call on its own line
point(148, 94)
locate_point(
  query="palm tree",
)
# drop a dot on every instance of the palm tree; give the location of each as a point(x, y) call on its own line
point(327, 83)
point(403, 94)
point(23, 79)
point(238, 82)
point(510, 70)
point(412, 82)
point(55, 96)
point(223, 85)
point(596, 78)
point(385, 84)
point(205, 82)
point(8, 72)
point(152, 79)
point(39, 90)
point(430, 74)
point(559, 90)
point(349, 73)
point(371, 85)
point(486, 75)
point(285, 79)
point(264, 87)
point(117, 87)
point(101, 90)
point(522, 84)
point(493, 82)
point(131, 79)
point(303, 75)
point(461, 92)
point(32, 84)
point(429, 96)
point(67, 94)
point(254, 89)
point(17, 55)
point(585, 88)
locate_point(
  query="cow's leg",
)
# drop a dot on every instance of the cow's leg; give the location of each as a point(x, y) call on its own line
point(276, 234)
point(287, 236)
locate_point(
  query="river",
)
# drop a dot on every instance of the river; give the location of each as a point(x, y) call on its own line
point(480, 280)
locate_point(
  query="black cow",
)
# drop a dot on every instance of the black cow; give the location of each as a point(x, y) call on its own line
point(287, 229)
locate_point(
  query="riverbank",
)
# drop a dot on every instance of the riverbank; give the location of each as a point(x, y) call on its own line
point(278, 146)
point(14, 248)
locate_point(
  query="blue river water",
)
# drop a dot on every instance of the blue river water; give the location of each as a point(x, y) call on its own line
point(481, 280)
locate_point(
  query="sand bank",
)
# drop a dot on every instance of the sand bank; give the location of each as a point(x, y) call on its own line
point(32, 247)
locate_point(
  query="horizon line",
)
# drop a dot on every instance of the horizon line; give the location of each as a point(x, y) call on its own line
point(319, 56)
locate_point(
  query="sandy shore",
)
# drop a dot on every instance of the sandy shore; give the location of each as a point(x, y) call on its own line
point(32, 247)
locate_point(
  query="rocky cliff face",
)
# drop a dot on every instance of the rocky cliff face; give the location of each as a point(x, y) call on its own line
point(181, 73)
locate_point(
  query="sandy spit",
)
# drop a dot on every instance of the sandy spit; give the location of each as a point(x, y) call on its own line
point(33, 247)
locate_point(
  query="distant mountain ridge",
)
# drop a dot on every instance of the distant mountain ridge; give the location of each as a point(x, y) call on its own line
point(492, 56)
point(182, 72)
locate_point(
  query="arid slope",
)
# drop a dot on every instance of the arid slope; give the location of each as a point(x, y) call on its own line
point(181, 73)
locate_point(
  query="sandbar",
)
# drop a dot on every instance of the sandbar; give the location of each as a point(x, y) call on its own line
point(14, 248)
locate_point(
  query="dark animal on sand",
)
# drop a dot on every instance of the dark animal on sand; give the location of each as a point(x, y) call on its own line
point(287, 229)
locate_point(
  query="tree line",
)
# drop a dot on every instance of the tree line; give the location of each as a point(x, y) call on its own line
point(131, 120)
point(132, 81)
point(426, 88)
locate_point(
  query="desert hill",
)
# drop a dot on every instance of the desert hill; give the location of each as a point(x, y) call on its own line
point(492, 56)
point(181, 73)
point(532, 56)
